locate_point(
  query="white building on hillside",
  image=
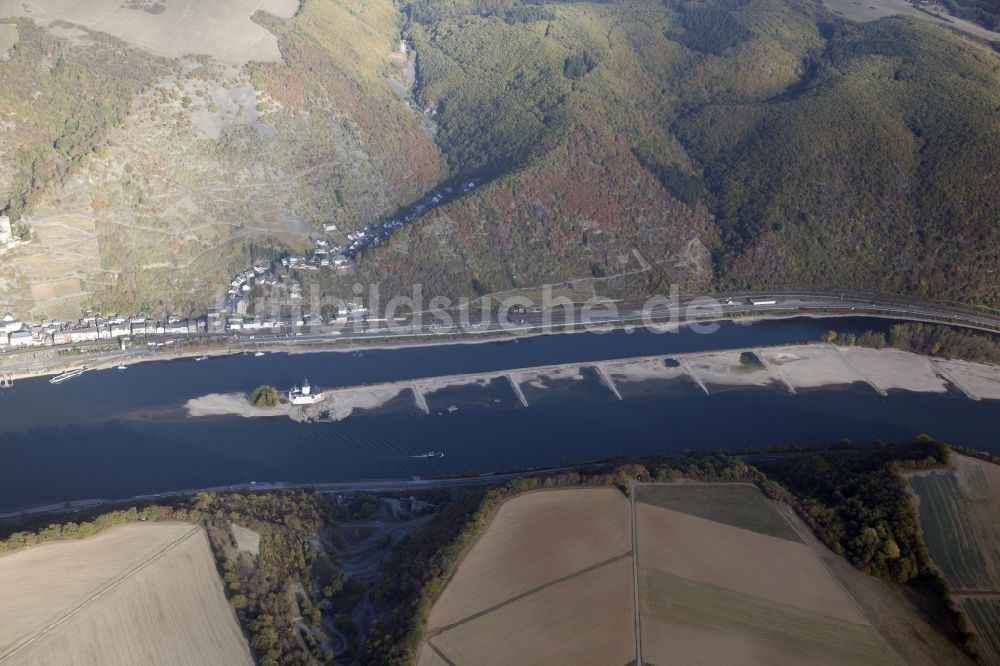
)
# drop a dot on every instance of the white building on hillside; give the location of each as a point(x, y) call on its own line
point(10, 324)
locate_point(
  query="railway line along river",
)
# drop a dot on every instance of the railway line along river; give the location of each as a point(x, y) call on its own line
point(115, 434)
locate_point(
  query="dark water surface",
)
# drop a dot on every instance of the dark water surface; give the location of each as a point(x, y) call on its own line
point(112, 434)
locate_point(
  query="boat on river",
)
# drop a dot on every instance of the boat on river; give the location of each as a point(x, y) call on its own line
point(69, 374)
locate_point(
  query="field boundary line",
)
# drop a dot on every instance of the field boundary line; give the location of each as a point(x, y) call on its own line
point(486, 526)
point(96, 595)
point(527, 593)
point(441, 654)
point(633, 489)
point(813, 545)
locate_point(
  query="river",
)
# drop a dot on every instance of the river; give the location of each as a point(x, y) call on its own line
point(115, 434)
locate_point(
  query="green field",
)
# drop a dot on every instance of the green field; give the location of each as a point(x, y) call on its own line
point(792, 629)
point(737, 505)
point(951, 535)
point(985, 614)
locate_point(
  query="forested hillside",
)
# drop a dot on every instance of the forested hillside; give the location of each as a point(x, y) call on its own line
point(801, 151)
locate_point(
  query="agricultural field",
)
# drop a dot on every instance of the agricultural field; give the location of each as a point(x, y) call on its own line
point(985, 615)
point(736, 505)
point(554, 570)
point(140, 593)
point(718, 579)
point(721, 577)
point(958, 516)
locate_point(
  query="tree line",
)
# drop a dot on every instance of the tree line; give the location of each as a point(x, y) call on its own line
point(929, 339)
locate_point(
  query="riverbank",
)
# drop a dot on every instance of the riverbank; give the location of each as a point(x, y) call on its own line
point(785, 367)
point(789, 308)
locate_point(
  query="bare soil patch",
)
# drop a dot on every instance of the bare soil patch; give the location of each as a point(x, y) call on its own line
point(247, 541)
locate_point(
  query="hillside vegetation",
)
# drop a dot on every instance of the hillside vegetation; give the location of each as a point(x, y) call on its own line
point(626, 145)
point(148, 182)
point(830, 155)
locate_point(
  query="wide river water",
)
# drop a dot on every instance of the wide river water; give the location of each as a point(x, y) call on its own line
point(115, 434)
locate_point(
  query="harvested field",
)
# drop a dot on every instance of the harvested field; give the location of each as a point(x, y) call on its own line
point(686, 622)
point(140, 593)
point(985, 615)
point(958, 515)
point(737, 505)
point(762, 566)
point(552, 580)
point(221, 29)
point(532, 540)
point(587, 619)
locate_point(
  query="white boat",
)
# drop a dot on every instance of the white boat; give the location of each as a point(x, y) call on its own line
point(258, 354)
point(430, 454)
point(202, 358)
point(123, 367)
point(69, 374)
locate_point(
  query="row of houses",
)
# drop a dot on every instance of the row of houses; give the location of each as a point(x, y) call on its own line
point(15, 333)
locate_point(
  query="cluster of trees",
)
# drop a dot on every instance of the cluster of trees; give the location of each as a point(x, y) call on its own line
point(685, 187)
point(56, 531)
point(264, 396)
point(262, 588)
point(946, 341)
point(873, 339)
point(983, 12)
point(512, 11)
point(930, 339)
point(711, 29)
point(856, 500)
point(579, 65)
